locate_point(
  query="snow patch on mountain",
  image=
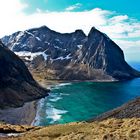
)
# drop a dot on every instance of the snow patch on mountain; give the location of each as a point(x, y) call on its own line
point(63, 58)
point(38, 38)
point(30, 56)
point(26, 54)
point(45, 56)
point(79, 46)
point(19, 35)
point(29, 33)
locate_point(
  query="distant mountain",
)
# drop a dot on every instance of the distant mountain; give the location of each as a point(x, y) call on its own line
point(70, 56)
point(16, 83)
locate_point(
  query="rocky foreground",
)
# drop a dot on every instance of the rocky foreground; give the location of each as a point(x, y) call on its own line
point(111, 129)
point(122, 123)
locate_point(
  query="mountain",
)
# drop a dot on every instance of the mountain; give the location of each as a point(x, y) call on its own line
point(16, 83)
point(70, 56)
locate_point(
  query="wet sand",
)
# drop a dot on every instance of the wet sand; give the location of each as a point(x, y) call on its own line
point(23, 115)
point(26, 114)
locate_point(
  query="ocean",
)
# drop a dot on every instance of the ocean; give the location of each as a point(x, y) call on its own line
point(70, 102)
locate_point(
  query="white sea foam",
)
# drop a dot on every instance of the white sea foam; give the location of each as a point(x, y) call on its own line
point(60, 85)
point(55, 99)
point(36, 121)
point(64, 84)
point(46, 107)
point(54, 114)
point(54, 95)
point(64, 94)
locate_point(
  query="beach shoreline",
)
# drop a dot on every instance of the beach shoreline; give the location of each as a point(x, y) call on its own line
point(19, 116)
point(26, 114)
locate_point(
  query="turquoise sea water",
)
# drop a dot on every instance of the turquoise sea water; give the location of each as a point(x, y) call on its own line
point(71, 102)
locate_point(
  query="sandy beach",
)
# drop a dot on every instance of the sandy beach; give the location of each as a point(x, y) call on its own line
point(26, 114)
point(23, 115)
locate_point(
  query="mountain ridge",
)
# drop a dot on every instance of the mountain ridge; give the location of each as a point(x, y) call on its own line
point(70, 56)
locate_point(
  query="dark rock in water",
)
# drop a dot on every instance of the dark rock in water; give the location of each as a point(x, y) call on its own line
point(70, 56)
point(16, 83)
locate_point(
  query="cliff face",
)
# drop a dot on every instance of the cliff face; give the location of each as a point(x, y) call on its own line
point(70, 56)
point(101, 53)
point(16, 83)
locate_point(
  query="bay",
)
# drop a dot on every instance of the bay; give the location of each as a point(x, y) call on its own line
point(70, 102)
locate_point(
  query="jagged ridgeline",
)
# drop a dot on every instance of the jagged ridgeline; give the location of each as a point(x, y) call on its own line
point(70, 56)
point(16, 83)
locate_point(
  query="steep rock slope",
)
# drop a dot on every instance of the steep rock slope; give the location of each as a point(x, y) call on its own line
point(130, 109)
point(16, 83)
point(70, 56)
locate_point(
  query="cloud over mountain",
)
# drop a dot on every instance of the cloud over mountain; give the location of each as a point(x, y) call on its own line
point(121, 28)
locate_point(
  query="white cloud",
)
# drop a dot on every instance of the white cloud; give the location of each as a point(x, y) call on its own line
point(120, 28)
point(120, 19)
point(10, 16)
point(73, 7)
point(10, 8)
point(38, 10)
point(59, 21)
point(128, 44)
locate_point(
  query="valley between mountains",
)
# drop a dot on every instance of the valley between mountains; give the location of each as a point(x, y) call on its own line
point(54, 56)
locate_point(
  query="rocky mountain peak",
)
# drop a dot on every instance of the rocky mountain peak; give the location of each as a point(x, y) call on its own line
point(73, 56)
point(92, 30)
point(80, 33)
point(96, 34)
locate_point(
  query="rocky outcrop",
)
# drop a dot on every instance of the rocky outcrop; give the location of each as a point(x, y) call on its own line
point(16, 83)
point(70, 56)
point(128, 110)
point(110, 129)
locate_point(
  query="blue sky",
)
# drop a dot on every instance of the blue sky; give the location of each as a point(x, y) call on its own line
point(119, 19)
point(129, 7)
